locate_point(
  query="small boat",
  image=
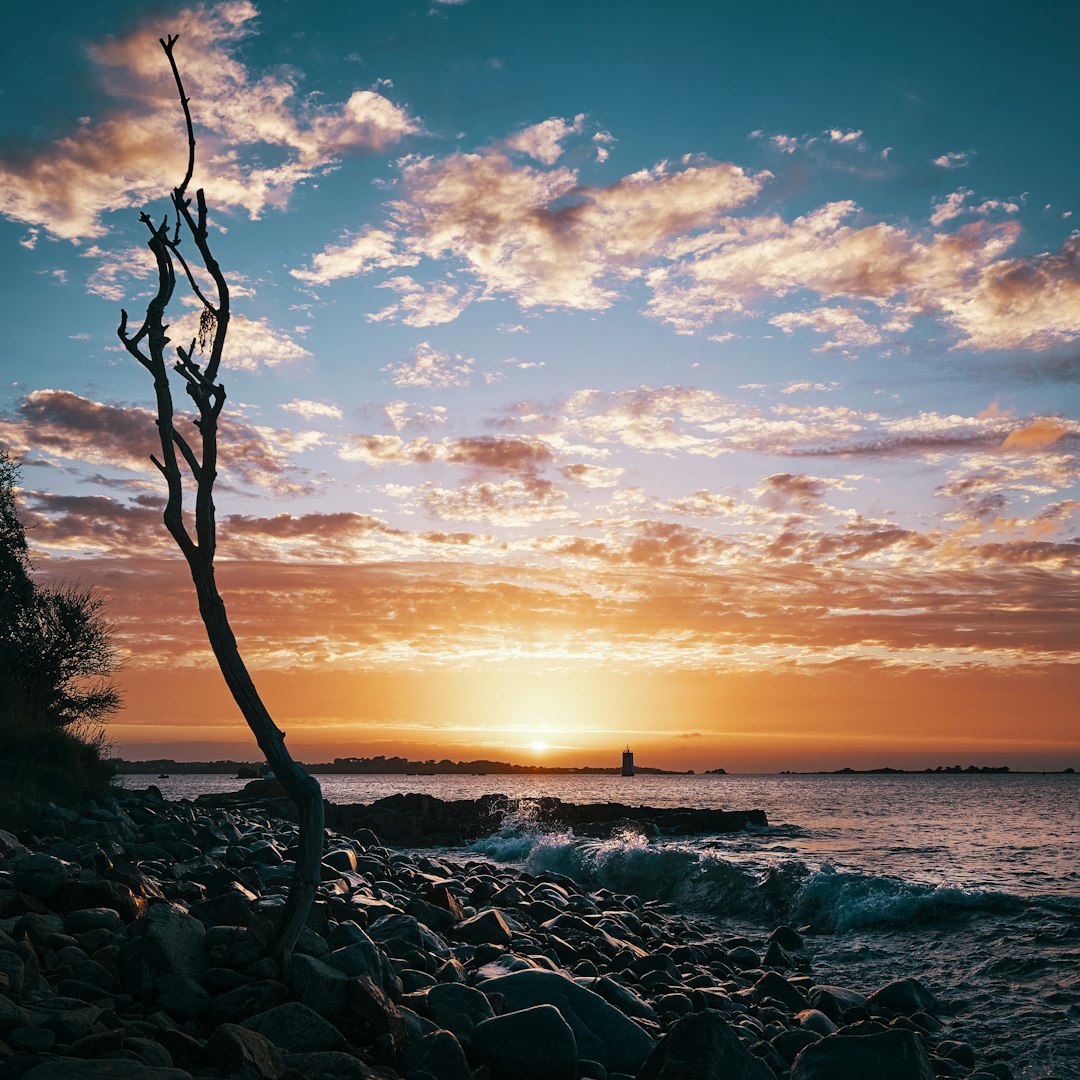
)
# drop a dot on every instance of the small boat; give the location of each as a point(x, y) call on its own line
point(163, 776)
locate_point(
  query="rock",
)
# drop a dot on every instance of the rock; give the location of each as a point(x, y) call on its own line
point(743, 957)
point(531, 1044)
point(330, 1065)
point(401, 934)
point(83, 920)
point(905, 996)
point(182, 997)
point(342, 858)
point(247, 1000)
point(704, 1047)
point(149, 1052)
point(171, 944)
point(891, 1055)
point(458, 1008)
point(835, 1001)
point(815, 1020)
point(368, 1001)
point(240, 1052)
point(773, 985)
point(318, 985)
point(66, 1068)
point(43, 876)
point(437, 1055)
point(788, 1043)
point(786, 938)
point(622, 997)
point(33, 1040)
point(10, 846)
point(296, 1029)
point(485, 928)
point(603, 1033)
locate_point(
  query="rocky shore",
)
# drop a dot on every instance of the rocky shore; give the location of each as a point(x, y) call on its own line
point(132, 938)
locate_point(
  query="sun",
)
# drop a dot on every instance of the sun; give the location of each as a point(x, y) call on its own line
point(539, 747)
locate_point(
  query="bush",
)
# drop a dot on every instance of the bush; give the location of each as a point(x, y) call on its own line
point(56, 660)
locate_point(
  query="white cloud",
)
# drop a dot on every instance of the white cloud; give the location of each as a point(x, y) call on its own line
point(431, 369)
point(311, 409)
point(543, 141)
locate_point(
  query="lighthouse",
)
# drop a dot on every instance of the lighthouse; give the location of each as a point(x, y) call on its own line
point(628, 762)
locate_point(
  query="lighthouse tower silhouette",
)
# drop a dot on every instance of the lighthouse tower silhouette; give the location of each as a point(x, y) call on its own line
point(628, 762)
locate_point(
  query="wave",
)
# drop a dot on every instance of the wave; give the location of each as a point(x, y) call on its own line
point(769, 886)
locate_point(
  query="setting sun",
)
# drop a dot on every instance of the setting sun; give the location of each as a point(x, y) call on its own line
point(539, 747)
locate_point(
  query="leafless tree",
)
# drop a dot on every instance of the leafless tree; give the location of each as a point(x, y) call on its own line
point(192, 466)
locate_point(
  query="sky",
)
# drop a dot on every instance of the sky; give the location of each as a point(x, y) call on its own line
point(702, 377)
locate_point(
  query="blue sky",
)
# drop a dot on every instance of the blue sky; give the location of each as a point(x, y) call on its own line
point(691, 343)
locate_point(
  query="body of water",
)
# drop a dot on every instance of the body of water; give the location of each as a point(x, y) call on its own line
point(968, 882)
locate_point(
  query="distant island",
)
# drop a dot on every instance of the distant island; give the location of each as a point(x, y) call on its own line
point(943, 769)
point(384, 765)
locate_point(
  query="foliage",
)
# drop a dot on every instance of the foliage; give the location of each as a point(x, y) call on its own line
point(56, 660)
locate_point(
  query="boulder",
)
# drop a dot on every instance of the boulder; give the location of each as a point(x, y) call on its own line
point(603, 1033)
point(318, 985)
point(369, 1001)
point(834, 1001)
point(43, 876)
point(905, 996)
point(703, 1046)
point(171, 944)
point(531, 1044)
point(437, 1055)
point(247, 1000)
point(296, 1029)
point(331, 1065)
point(485, 928)
point(896, 1054)
point(774, 985)
point(239, 1052)
point(458, 1008)
point(66, 1068)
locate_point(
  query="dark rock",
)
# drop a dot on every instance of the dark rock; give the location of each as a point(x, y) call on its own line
point(622, 997)
point(788, 1043)
point(85, 919)
point(368, 1001)
point(318, 985)
point(149, 1052)
point(835, 1001)
point(247, 1000)
point(458, 1008)
point(33, 1040)
point(890, 1055)
point(171, 944)
point(743, 957)
point(295, 1029)
point(485, 928)
point(905, 996)
point(43, 876)
point(331, 1065)
point(66, 1068)
point(182, 997)
point(773, 985)
point(531, 1044)
point(240, 1052)
point(603, 1033)
point(703, 1047)
point(786, 938)
point(815, 1020)
point(437, 1055)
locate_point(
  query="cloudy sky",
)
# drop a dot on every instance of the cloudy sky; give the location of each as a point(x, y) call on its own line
point(686, 375)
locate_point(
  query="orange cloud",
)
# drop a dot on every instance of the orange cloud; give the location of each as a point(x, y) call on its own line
point(1040, 433)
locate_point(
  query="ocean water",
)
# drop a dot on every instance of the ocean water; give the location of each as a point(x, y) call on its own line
point(970, 883)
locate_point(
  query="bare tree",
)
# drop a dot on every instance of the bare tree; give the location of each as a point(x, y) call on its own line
point(184, 466)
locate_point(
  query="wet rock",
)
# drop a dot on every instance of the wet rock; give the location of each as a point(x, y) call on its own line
point(83, 920)
point(703, 1047)
point(773, 985)
point(182, 997)
point(890, 1055)
point(835, 1001)
point(622, 997)
point(815, 1020)
point(331, 1065)
point(531, 1044)
point(904, 996)
point(603, 1033)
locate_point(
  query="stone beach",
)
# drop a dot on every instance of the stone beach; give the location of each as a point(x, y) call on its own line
point(132, 939)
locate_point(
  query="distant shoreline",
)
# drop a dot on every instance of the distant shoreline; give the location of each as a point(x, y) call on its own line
point(403, 767)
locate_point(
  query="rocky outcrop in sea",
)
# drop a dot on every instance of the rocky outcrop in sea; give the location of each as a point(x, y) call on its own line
point(132, 937)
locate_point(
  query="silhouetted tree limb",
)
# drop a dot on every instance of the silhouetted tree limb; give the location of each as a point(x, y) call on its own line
point(186, 467)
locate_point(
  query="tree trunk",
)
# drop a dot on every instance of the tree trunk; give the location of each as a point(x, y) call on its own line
point(301, 786)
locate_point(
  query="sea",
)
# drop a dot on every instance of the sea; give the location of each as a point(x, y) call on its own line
point(968, 882)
